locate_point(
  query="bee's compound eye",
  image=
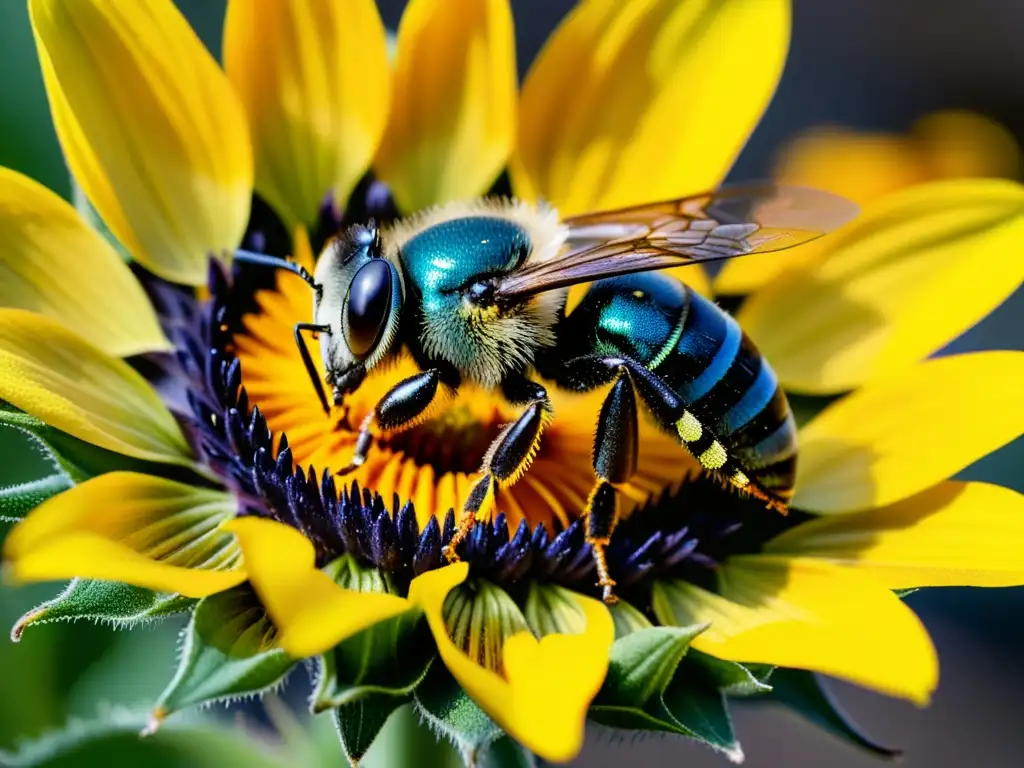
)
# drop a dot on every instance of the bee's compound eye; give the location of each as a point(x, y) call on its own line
point(368, 306)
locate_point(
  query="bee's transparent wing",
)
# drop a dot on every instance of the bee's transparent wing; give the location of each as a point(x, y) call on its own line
point(733, 221)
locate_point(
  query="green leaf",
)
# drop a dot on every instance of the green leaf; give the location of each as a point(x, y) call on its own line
point(642, 665)
point(360, 721)
point(805, 693)
point(105, 602)
point(390, 657)
point(116, 742)
point(229, 651)
point(447, 709)
point(731, 678)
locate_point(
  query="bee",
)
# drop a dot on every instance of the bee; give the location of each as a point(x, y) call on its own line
point(476, 292)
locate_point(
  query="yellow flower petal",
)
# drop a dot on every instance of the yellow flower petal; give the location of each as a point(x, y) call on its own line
point(860, 167)
point(150, 128)
point(542, 699)
point(809, 615)
point(129, 527)
point(59, 377)
point(962, 144)
point(311, 612)
point(902, 435)
point(955, 534)
point(645, 100)
point(866, 166)
point(452, 120)
point(53, 263)
point(314, 78)
point(912, 273)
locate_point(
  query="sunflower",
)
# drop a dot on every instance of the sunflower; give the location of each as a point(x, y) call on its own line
point(170, 390)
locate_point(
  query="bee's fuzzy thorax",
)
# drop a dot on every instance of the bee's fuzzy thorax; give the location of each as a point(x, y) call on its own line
point(485, 343)
point(541, 222)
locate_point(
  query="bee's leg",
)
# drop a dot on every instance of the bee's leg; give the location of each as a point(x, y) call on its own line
point(509, 456)
point(697, 437)
point(308, 360)
point(404, 405)
point(616, 450)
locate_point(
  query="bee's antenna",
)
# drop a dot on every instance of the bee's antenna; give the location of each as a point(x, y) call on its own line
point(276, 262)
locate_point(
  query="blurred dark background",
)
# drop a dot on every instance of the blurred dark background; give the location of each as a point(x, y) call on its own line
point(863, 64)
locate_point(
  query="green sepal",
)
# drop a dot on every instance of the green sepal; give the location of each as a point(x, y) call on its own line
point(229, 652)
point(642, 665)
point(105, 602)
point(804, 693)
point(693, 702)
point(506, 752)
point(390, 658)
point(448, 710)
point(16, 501)
point(359, 722)
point(652, 685)
point(75, 458)
point(731, 678)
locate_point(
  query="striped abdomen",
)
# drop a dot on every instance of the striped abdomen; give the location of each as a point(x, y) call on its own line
point(737, 419)
point(732, 390)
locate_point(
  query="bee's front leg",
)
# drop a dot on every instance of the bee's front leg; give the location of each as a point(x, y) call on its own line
point(404, 405)
point(509, 456)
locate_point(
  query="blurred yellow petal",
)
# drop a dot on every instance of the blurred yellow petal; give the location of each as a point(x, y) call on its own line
point(59, 377)
point(314, 78)
point(901, 435)
point(866, 166)
point(640, 100)
point(541, 700)
point(915, 271)
point(860, 167)
point(129, 527)
point(53, 263)
point(311, 612)
point(809, 615)
point(952, 535)
point(453, 110)
point(150, 128)
point(961, 144)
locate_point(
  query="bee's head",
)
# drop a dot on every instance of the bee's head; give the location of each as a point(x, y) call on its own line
point(361, 302)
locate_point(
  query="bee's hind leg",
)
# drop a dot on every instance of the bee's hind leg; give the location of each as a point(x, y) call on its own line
point(616, 451)
point(508, 458)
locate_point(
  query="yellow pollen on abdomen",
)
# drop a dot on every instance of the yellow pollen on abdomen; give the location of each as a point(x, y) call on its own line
point(714, 457)
point(740, 480)
point(689, 428)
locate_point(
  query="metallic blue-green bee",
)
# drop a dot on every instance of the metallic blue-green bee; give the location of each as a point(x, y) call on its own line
point(476, 292)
